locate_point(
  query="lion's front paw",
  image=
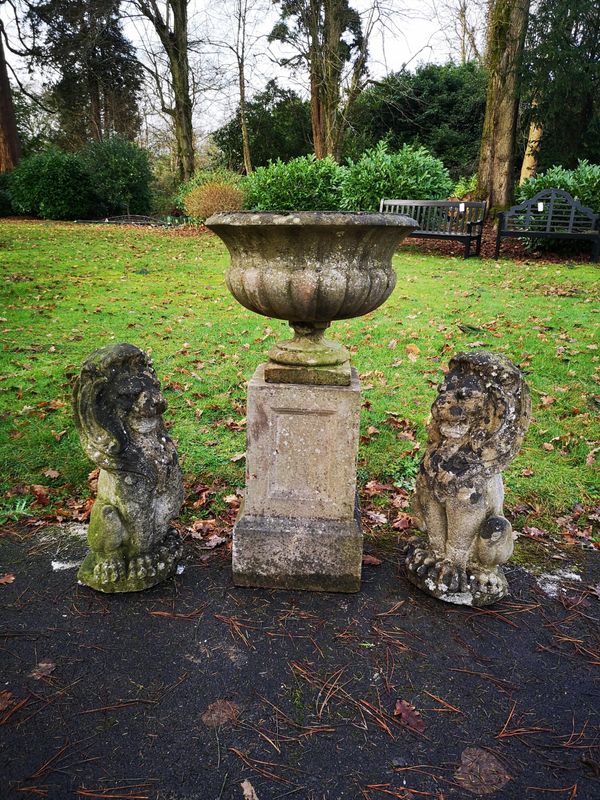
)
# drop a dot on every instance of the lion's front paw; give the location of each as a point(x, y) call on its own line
point(438, 572)
point(487, 586)
point(142, 567)
point(110, 570)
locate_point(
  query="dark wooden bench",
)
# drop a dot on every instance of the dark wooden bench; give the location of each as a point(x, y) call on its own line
point(458, 220)
point(550, 214)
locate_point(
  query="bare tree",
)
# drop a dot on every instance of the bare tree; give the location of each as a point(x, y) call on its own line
point(169, 21)
point(506, 36)
point(236, 36)
point(463, 24)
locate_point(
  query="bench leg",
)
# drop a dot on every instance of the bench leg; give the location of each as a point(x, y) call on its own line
point(497, 253)
point(596, 252)
point(467, 249)
point(478, 248)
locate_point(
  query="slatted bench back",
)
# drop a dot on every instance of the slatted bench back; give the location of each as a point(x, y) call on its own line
point(452, 217)
point(551, 211)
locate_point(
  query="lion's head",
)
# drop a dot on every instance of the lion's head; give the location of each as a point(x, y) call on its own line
point(116, 396)
point(478, 421)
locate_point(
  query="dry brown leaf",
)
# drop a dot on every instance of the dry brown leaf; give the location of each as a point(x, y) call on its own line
point(43, 669)
point(480, 772)
point(51, 473)
point(371, 561)
point(248, 790)
point(220, 713)
point(7, 578)
point(5, 700)
point(409, 716)
point(238, 457)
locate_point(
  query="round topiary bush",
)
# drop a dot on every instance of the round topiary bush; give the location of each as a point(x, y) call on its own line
point(302, 184)
point(201, 177)
point(52, 185)
point(412, 173)
point(120, 174)
point(211, 198)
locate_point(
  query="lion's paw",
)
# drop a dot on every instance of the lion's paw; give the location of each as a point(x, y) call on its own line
point(142, 567)
point(110, 570)
point(487, 586)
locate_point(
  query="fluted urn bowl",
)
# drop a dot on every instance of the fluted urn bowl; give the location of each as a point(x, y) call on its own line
point(310, 268)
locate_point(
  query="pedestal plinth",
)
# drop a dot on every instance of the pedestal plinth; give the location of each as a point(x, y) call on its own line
point(299, 526)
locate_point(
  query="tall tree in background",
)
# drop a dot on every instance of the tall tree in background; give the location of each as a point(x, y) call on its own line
point(562, 71)
point(171, 28)
point(10, 148)
point(329, 40)
point(507, 25)
point(96, 91)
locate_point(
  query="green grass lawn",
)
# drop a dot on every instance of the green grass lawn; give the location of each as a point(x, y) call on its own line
point(68, 289)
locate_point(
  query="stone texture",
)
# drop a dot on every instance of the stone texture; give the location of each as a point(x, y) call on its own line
point(118, 410)
point(311, 268)
point(299, 524)
point(478, 422)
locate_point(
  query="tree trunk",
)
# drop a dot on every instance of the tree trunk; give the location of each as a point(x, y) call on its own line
point(506, 35)
point(174, 40)
point(532, 151)
point(10, 148)
point(243, 120)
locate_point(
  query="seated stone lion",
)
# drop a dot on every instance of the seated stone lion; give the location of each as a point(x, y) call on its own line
point(118, 410)
point(478, 422)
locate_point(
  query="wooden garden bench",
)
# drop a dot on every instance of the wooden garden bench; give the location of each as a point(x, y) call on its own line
point(550, 214)
point(459, 220)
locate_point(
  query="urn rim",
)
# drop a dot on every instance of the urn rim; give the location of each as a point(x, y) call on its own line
point(310, 218)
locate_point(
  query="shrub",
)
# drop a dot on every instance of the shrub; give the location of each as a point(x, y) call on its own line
point(120, 174)
point(203, 201)
point(302, 184)
point(52, 185)
point(411, 173)
point(201, 177)
point(583, 182)
point(465, 186)
point(5, 205)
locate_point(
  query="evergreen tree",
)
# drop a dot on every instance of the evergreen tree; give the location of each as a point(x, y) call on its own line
point(562, 82)
point(98, 76)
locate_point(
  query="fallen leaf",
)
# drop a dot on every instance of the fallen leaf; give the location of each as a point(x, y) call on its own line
point(238, 457)
point(248, 790)
point(41, 494)
point(7, 578)
point(231, 500)
point(51, 473)
point(43, 669)
point(372, 431)
point(480, 772)
point(402, 522)
point(219, 713)
point(409, 716)
point(5, 700)
point(213, 541)
point(535, 532)
point(547, 400)
point(412, 352)
point(377, 518)
point(374, 488)
point(527, 473)
point(393, 344)
point(548, 446)
point(58, 434)
point(371, 561)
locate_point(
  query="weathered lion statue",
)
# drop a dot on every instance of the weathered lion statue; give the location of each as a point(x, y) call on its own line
point(478, 422)
point(118, 409)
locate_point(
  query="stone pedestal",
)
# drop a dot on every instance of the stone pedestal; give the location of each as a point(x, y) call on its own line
point(299, 526)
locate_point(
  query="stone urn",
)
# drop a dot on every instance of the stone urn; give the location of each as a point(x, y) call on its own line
point(299, 525)
point(310, 268)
